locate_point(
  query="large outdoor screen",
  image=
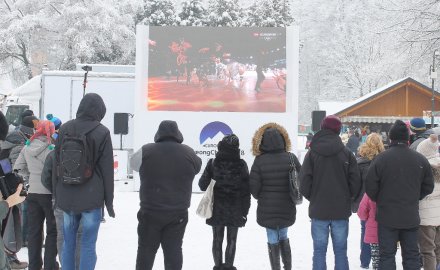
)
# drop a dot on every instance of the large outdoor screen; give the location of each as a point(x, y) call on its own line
point(202, 69)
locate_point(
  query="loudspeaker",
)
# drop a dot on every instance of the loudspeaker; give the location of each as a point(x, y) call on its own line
point(317, 117)
point(121, 123)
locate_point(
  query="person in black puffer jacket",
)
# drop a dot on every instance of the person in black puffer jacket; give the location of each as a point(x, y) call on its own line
point(372, 147)
point(269, 183)
point(232, 198)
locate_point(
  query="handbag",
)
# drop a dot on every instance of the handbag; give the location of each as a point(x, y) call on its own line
point(204, 209)
point(295, 195)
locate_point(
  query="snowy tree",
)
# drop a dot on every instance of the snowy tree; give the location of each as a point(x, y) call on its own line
point(20, 25)
point(225, 13)
point(158, 13)
point(270, 13)
point(193, 13)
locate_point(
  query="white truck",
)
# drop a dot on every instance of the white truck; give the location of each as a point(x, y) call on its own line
point(59, 93)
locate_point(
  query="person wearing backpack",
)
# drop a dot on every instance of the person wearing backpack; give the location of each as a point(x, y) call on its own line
point(167, 169)
point(270, 186)
point(85, 179)
point(30, 163)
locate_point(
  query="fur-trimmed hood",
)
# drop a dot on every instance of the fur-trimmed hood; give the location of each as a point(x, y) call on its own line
point(270, 137)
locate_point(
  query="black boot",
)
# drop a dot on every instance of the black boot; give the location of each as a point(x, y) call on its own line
point(274, 256)
point(286, 254)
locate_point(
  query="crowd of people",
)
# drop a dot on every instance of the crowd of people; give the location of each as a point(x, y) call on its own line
point(69, 170)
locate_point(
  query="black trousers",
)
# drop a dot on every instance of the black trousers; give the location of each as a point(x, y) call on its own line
point(40, 209)
point(217, 244)
point(388, 238)
point(161, 228)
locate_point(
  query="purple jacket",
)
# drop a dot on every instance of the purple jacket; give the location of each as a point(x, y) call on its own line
point(367, 212)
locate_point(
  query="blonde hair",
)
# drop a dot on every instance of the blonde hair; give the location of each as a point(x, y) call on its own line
point(372, 147)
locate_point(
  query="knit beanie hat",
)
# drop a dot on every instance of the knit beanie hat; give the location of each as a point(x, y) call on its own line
point(429, 148)
point(30, 122)
point(417, 125)
point(332, 123)
point(55, 120)
point(45, 128)
point(399, 131)
point(229, 143)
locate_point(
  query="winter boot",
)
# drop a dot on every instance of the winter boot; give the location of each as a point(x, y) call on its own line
point(286, 254)
point(274, 256)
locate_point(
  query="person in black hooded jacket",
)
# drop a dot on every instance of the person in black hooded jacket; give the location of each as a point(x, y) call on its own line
point(167, 169)
point(330, 181)
point(82, 203)
point(269, 183)
point(232, 198)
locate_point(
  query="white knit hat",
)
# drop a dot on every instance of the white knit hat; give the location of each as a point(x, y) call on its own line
point(430, 149)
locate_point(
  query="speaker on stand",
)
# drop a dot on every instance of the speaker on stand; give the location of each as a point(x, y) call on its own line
point(317, 117)
point(120, 124)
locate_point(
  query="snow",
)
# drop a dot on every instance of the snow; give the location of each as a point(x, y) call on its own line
point(117, 241)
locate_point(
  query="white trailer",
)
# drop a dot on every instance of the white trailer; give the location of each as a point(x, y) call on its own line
point(60, 92)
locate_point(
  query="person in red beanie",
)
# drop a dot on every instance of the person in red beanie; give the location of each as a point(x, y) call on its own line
point(330, 180)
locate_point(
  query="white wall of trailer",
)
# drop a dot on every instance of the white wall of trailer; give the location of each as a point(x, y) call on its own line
point(191, 124)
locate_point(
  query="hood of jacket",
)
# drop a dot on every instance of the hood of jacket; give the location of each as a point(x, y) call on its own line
point(91, 108)
point(37, 146)
point(270, 138)
point(13, 139)
point(168, 131)
point(326, 143)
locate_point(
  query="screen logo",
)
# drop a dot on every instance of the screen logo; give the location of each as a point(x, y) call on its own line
point(214, 130)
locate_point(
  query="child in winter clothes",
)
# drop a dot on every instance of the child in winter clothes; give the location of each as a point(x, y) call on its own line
point(367, 213)
point(429, 208)
point(232, 198)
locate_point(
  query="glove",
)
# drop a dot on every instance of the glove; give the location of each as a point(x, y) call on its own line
point(111, 212)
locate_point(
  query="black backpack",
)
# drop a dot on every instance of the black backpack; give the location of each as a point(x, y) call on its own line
point(76, 159)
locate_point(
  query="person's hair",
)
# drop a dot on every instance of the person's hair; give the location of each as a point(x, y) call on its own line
point(372, 147)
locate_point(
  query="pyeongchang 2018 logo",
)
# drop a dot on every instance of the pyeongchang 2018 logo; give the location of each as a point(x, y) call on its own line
point(210, 135)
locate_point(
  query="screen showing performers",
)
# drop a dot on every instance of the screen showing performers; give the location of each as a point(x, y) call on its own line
point(217, 69)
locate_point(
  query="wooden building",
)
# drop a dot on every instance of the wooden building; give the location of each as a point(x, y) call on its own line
point(403, 99)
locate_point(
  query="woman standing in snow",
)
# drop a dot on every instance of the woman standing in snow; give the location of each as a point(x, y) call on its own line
point(429, 208)
point(231, 198)
point(269, 182)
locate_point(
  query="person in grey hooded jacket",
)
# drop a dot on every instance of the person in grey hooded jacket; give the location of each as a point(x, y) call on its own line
point(167, 169)
point(30, 163)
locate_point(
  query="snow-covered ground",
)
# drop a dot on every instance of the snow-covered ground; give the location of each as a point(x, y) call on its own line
point(117, 242)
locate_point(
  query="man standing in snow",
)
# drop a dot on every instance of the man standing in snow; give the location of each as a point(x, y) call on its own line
point(330, 180)
point(167, 169)
point(396, 180)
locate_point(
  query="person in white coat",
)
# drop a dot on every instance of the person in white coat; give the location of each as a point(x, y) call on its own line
point(429, 207)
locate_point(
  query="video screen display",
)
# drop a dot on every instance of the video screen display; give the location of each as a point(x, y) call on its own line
point(204, 69)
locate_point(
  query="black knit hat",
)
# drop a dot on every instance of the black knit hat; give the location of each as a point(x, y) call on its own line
point(399, 131)
point(229, 142)
point(29, 121)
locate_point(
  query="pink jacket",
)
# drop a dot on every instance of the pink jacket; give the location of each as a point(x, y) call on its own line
point(367, 212)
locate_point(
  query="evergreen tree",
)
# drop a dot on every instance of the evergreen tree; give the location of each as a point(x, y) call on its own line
point(158, 13)
point(225, 13)
point(270, 13)
point(193, 13)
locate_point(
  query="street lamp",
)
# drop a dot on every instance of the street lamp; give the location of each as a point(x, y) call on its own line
point(433, 74)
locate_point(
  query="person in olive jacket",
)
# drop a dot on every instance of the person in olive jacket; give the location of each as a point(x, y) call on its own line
point(232, 198)
point(269, 183)
point(397, 179)
point(330, 180)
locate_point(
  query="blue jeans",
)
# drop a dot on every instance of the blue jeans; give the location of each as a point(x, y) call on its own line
point(274, 236)
point(365, 248)
point(339, 234)
point(90, 221)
